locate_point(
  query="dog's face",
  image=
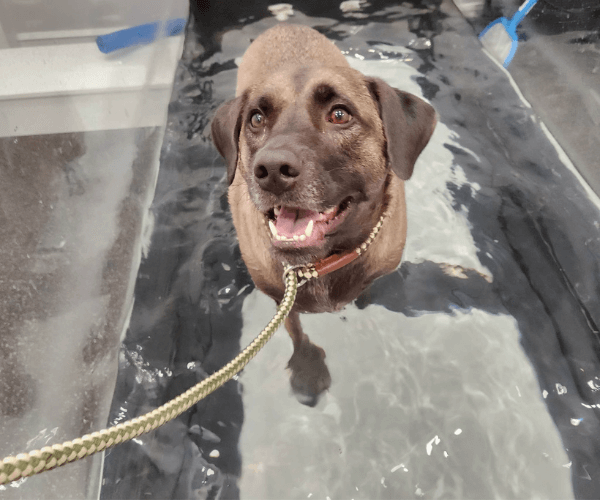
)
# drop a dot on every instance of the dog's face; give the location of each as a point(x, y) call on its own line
point(315, 147)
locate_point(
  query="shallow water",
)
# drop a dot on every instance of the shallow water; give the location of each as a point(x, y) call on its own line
point(471, 372)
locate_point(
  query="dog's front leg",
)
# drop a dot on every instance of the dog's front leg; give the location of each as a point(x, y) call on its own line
point(310, 376)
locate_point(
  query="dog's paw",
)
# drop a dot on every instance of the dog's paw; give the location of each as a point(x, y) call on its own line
point(310, 376)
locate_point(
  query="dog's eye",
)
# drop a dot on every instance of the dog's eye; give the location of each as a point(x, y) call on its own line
point(339, 116)
point(257, 120)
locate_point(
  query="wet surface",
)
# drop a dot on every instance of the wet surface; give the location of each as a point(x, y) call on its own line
point(71, 211)
point(556, 67)
point(471, 372)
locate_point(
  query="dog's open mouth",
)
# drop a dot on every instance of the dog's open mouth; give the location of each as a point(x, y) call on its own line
point(298, 228)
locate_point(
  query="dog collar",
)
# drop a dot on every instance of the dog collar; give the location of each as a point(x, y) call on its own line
point(337, 260)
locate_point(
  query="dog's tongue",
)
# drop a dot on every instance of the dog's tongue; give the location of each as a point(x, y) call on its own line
point(294, 221)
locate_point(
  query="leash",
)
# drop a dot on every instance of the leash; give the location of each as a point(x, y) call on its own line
point(50, 457)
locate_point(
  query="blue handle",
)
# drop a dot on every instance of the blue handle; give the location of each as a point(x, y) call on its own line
point(143, 34)
point(520, 14)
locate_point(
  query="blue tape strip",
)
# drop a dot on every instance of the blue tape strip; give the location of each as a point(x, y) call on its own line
point(139, 35)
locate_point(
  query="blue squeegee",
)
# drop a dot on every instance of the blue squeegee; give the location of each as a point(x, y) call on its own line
point(138, 35)
point(500, 36)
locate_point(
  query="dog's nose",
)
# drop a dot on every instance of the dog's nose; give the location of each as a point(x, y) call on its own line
point(277, 170)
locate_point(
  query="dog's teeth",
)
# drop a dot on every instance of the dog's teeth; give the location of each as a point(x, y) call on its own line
point(273, 229)
point(330, 211)
point(277, 210)
point(303, 237)
point(296, 237)
point(309, 228)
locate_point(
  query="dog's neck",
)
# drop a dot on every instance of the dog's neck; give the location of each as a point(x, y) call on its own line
point(337, 260)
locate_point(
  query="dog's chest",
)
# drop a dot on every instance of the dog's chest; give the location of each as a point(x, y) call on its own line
point(331, 293)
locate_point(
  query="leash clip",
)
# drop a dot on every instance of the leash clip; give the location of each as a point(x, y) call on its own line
point(288, 267)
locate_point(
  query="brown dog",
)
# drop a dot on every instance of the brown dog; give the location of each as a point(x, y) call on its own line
point(316, 153)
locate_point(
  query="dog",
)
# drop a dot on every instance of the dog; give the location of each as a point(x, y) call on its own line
point(317, 153)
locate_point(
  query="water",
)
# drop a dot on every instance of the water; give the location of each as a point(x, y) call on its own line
point(471, 372)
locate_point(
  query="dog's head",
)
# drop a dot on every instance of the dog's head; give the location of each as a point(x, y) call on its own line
point(316, 147)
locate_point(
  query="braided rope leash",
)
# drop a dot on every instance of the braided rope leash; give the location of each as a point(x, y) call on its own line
point(50, 457)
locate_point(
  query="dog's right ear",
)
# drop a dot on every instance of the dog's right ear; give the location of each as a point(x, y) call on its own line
point(225, 131)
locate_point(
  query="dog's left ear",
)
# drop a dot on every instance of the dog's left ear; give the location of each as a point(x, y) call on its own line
point(225, 131)
point(408, 123)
